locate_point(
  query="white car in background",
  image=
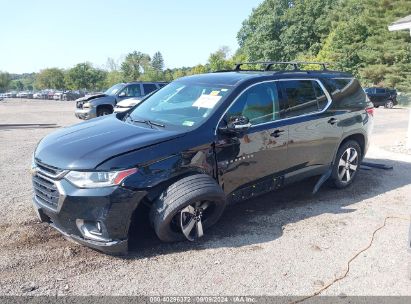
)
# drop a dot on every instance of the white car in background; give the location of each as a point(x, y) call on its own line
point(126, 104)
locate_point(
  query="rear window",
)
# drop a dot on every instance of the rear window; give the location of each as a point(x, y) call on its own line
point(302, 97)
point(346, 93)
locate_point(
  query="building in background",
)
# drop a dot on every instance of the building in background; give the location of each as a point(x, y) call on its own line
point(404, 24)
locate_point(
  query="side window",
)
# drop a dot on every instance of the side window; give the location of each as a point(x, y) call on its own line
point(162, 84)
point(259, 104)
point(149, 87)
point(132, 90)
point(347, 93)
point(301, 97)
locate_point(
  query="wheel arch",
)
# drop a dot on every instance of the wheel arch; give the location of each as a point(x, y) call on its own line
point(358, 137)
point(104, 106)
point(156, 190)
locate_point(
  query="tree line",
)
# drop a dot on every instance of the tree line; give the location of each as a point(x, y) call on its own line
point(136, 66)
point(350, 34)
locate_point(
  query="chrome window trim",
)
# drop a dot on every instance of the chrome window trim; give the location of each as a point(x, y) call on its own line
point(282, 119)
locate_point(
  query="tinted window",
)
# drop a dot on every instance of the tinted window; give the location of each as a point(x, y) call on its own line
point(149, 87)
point(300, 95)
point(345, 93)
point(132, 90)
point(379, 91)
point(259, 104)
point(162, 84)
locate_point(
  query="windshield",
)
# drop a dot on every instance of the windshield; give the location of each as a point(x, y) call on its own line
point(114, 89)
point(181, 104)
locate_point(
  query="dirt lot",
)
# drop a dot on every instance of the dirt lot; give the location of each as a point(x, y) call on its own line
point(287, 243)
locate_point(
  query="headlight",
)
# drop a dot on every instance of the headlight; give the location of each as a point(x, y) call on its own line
point(98, 179)
point(86, 105)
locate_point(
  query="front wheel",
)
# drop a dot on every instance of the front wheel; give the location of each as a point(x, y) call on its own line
point(187, 208)
point(346, 164)
point(104, 111)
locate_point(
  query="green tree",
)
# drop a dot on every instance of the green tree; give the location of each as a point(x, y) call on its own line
point(52, 78)
point(157, 62)
point(134, 65)
point(113, 77)
point(219, 60)
point(85, 76)
point(4, 81)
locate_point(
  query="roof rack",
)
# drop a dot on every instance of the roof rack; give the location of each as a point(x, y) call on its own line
point(269, 64)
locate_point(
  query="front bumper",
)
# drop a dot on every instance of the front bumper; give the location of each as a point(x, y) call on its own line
point(80, 211)
point(86, 113)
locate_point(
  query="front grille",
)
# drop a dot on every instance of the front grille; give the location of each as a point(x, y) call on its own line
point(79, 105)
point(48, 170)
point(45, 191)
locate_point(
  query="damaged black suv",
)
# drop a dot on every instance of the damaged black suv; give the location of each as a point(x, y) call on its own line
point(196, 145)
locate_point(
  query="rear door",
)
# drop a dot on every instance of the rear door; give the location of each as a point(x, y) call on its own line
point(314, 132)
point(254, 163)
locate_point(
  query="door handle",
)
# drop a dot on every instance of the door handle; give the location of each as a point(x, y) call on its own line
point(277, 133)
point(332, 121)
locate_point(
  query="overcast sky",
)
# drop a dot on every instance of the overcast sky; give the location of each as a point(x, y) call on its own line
point(48, 33)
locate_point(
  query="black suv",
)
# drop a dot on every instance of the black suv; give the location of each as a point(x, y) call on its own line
point(382, 97)
point(196, 145)
point(103, 104)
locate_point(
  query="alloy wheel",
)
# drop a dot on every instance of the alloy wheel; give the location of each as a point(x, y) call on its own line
point(389, 105)
point(191, 220)
point(348, 165)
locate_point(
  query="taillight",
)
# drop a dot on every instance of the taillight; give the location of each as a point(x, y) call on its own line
point(370, 111)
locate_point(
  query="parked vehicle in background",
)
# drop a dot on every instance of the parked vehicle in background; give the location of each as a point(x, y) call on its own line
point(126, 104)
point(39, 95)
point(71, 95)
point(103, 104)
point(58, 96)
point(50, 95)
point(382, 97)
point(196, 145)
point(24, 94)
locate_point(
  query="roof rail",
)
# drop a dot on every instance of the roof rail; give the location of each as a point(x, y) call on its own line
point(269, 64)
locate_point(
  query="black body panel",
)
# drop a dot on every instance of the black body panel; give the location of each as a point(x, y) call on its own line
point(263, 157)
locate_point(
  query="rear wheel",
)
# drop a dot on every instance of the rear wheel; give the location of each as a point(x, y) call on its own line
point(346, 165)
point(187, 208)
point(389, 104)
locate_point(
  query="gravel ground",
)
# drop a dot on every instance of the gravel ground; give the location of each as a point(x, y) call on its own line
point(284, 243)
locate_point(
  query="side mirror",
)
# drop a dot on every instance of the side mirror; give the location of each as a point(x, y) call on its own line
point(237, 125)
point(122, 94)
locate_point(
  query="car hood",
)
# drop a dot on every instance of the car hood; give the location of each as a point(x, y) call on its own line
point(86, 145)
point(129, 102)
point(87, 98)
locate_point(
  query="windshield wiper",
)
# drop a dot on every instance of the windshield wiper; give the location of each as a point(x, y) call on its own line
point(147, 122)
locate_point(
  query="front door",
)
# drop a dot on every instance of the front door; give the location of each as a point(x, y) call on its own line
point(131, 90)
point(253, 163)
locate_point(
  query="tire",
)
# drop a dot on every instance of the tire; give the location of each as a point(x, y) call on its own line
point(339, 176)
point(104, 111)
point(389, 104)
point(198, 191)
